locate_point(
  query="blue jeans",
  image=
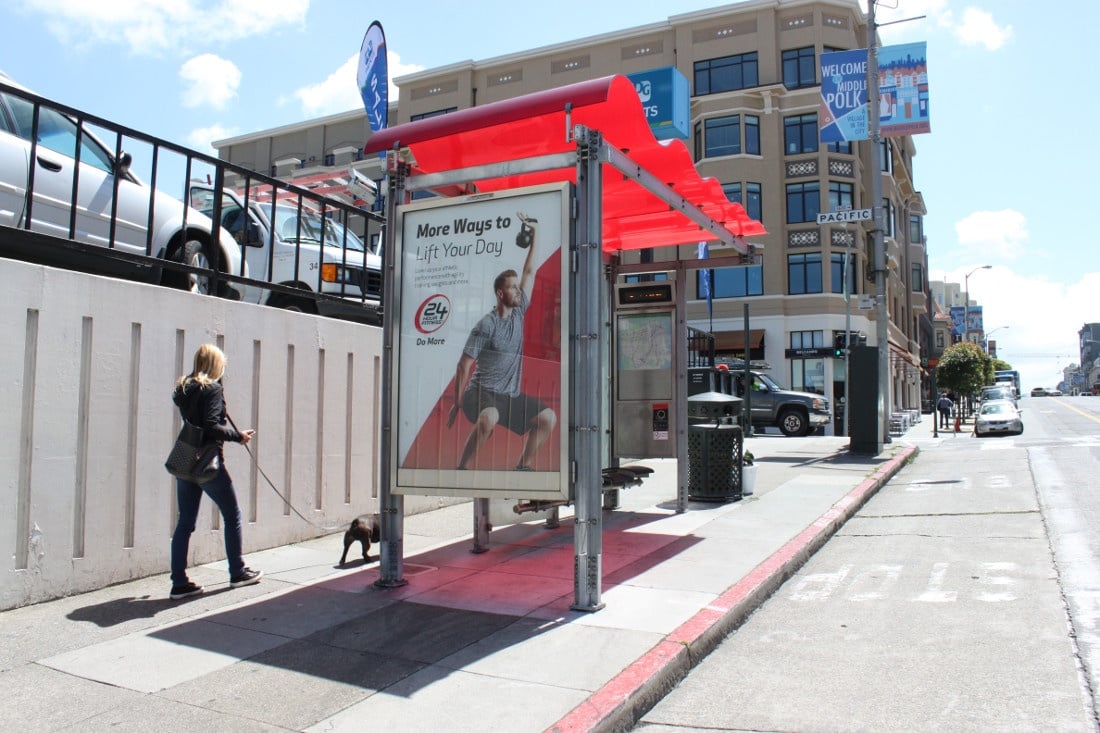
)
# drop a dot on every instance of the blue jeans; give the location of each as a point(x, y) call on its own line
point(188, 495)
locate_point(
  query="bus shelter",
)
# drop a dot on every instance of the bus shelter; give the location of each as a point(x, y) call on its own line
point(516, 208)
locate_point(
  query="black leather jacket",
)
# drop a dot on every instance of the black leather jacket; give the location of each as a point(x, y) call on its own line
point(205, 407)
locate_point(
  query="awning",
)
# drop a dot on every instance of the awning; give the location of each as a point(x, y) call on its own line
point(735, 340)
point(537, 124)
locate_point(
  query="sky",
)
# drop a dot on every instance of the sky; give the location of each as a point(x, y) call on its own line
point(1010, 157)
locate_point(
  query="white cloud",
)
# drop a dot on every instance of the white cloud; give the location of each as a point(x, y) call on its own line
point(209, 80)
point(155, 26)
point(993, 234)
point(201, 138)
point(979, 29)
point(339, 91)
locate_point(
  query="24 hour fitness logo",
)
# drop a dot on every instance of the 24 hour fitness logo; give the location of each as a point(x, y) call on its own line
point(432, 313)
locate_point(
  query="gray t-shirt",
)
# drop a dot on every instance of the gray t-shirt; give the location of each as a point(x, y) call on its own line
point(497, 345)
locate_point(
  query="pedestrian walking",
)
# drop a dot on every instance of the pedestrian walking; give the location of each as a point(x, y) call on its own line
point(944, 406)
point(199, 397)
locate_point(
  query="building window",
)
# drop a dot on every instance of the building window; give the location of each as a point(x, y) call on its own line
point(939, 340)
point(719, 136)
point(839, 147)
point(799, 68)
point(752, 134)
point(726, 74)
point(722, 136)
point(433, 113)
point(887, 218)
point(807, 339)
point(800, 134)
point(916, 229)
point(734, 282)
point(840, 196)
point(751, 199)
point(804, 274)
point(803, 202)
point(836, 273)
point(887, 159)
point(918, 279)
point(808, 375)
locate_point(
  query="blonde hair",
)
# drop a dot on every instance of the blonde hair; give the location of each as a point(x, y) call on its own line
point(209, 366)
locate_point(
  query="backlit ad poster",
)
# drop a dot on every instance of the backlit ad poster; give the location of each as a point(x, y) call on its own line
point(479, 372)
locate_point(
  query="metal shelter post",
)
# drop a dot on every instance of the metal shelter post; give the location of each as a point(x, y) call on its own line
point(679, 365)
point(391, 551)
point(586, 296)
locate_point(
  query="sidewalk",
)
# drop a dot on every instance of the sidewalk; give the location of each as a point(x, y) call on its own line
point(474, 642)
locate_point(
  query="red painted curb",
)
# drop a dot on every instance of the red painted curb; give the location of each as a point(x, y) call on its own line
point(657, 664)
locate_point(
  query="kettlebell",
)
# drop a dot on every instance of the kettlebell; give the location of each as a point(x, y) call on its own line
point(526, 234)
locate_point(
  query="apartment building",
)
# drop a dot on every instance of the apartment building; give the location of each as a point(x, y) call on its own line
point(753, 75)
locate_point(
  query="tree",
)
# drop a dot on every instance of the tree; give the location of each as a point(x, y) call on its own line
point(964, 368)
point(1000, 365)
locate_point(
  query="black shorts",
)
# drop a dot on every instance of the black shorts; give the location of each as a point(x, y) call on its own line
point(516, 413)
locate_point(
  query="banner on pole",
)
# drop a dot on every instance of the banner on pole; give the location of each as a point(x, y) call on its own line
point(903, 90)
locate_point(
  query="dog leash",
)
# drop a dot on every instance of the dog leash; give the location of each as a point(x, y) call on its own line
point(273, 488)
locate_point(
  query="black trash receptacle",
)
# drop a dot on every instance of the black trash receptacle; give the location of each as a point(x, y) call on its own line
point(715, 444)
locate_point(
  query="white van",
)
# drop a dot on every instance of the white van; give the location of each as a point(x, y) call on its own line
point(282, 244)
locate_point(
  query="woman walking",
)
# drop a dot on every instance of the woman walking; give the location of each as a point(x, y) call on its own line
point(198, 396)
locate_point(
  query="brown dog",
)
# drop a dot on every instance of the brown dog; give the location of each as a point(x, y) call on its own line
point(364, 529)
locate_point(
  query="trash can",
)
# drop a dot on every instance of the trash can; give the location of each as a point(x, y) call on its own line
point(715, 444)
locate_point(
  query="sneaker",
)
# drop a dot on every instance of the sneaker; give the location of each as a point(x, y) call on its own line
point(186, 590)
point(247, 576)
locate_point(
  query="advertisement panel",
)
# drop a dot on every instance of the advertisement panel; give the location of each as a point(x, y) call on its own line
point(666, 101)
point(479, 372)
point(903, 90)
point(844, 96)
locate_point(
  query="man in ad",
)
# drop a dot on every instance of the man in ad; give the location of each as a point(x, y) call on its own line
point(488, 375)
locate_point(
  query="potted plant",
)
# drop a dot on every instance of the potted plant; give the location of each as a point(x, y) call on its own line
point(748, 473)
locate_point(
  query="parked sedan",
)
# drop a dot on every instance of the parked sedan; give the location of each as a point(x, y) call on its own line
point(97, 196)
point(1039, 392)
point(998, 417)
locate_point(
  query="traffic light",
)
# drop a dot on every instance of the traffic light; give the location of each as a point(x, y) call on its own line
point(840, 342)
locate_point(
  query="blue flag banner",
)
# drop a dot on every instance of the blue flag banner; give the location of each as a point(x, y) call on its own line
point(704, 280)
point(373, 78)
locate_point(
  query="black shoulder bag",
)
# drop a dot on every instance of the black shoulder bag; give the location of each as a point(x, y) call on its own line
point(191, 459)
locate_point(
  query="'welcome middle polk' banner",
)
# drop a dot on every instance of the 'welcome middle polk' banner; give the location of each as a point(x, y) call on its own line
point(844, 96)
point(479, 393)
point(903, 93)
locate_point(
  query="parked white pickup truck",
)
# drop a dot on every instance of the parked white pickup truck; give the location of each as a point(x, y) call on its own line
point(291, 245)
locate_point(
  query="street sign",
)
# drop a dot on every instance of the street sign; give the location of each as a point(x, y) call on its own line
point(836, 217)
point(866, 302)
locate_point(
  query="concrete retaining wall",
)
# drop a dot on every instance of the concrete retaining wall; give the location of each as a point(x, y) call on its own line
point(86, 377)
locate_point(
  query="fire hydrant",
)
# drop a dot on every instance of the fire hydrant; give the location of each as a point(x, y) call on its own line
point(957, 422)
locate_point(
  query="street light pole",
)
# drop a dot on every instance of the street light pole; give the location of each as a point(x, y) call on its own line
point(882, 326)
point(966, 297)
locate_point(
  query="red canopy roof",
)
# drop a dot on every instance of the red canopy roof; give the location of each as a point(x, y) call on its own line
point(535, 125)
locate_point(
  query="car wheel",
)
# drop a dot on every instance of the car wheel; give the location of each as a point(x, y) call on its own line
point(195, 254)
point(298, 305)
point(792, 423)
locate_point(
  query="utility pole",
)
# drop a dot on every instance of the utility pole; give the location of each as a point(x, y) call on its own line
point(882, 325)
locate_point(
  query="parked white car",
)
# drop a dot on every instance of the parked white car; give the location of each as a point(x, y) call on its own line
point(294, 246)
point(49, 168)
point(998, 416)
